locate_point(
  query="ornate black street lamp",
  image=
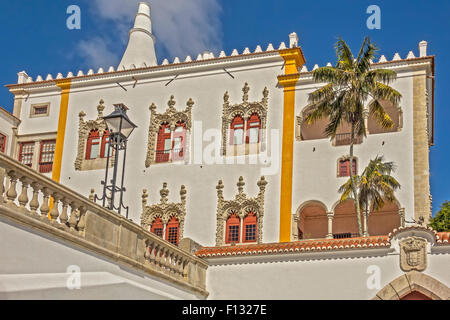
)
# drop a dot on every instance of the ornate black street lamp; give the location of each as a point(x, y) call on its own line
point(120, 128)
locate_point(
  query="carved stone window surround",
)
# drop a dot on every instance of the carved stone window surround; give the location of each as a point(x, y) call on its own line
point(171, 116)
point(164, 210)
point(241, 206)
point(244, 109)
point(84, 129)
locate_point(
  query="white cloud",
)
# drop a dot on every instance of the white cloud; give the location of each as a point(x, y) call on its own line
point(96, 52)
point(181, 27)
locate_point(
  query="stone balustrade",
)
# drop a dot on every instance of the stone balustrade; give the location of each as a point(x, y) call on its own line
point(31, 199)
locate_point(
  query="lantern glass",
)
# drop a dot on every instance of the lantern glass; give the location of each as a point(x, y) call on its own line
point(118, 121)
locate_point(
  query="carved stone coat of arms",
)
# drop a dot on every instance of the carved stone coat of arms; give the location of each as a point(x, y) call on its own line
point(413, 254)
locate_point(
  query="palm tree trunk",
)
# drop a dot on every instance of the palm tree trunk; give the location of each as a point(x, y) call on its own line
point(366, 220)
point(355, 192)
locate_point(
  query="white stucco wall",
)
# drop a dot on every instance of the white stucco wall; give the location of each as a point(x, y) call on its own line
point(329, 277)
point(314, 172)
point(200, 179)
point(35, 266)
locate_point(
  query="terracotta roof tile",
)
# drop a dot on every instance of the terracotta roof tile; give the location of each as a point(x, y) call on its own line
point(443, 237)
point(295, 246)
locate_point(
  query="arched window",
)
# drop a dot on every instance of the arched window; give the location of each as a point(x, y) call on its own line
point(163, 144)
point(93, 145)
point(232, 231)
point(237, 130)
point(250, 227)
point(172, 231)
point(179, 141)
point(344, 167)
point(253, 129)
point(157, 227)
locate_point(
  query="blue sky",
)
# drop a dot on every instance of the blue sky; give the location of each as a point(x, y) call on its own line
point(35, 38)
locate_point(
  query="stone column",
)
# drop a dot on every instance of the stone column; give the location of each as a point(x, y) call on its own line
point(330, 216)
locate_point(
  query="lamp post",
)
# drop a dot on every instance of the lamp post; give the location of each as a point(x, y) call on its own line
point(120, 128)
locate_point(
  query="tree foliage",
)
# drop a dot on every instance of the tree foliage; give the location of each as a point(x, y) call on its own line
point(375, 186)
point(441, 221)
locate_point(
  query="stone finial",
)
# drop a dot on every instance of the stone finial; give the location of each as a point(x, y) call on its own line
point(226, 98)
point(164, 192)
point(219, 188)
point(100, 108)
point(423, 48)
point(144, 197)
point(81, 115)
point(171, 103)
point(262, 184)
point(183, 193)
point(241, 185)
point(190, 103)
point(92, 195)
point(245, 90)
point(265, 94)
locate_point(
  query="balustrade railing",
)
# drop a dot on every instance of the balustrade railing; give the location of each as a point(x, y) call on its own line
point(345, 235)
point(33, 198)
point(342, 139)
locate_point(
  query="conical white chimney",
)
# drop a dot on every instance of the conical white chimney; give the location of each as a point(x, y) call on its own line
point(141, 43)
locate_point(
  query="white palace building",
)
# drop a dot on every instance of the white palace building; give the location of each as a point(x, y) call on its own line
point(231, 194)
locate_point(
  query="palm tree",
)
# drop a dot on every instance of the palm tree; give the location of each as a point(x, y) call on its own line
point(375, 186)
point(349, 85)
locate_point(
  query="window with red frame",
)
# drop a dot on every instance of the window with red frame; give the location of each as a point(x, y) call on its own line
point(253, 129)
point(157, 227)
point(26, 153)
point(2, 142)
point(179, 141)
point(237, 130)
point(344, 168)
point(105, 145)
point(172, 230)
point(163, 143)
point(46, 156)
point(232, 229)
point(93, 145)
point(250, 227)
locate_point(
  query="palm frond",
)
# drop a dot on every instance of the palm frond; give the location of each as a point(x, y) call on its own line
point(384, 75)
point(344, 55)
point(366, 57)
point(382, 91)
point(331, 75)
point(325, 92)
point(380, 115)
